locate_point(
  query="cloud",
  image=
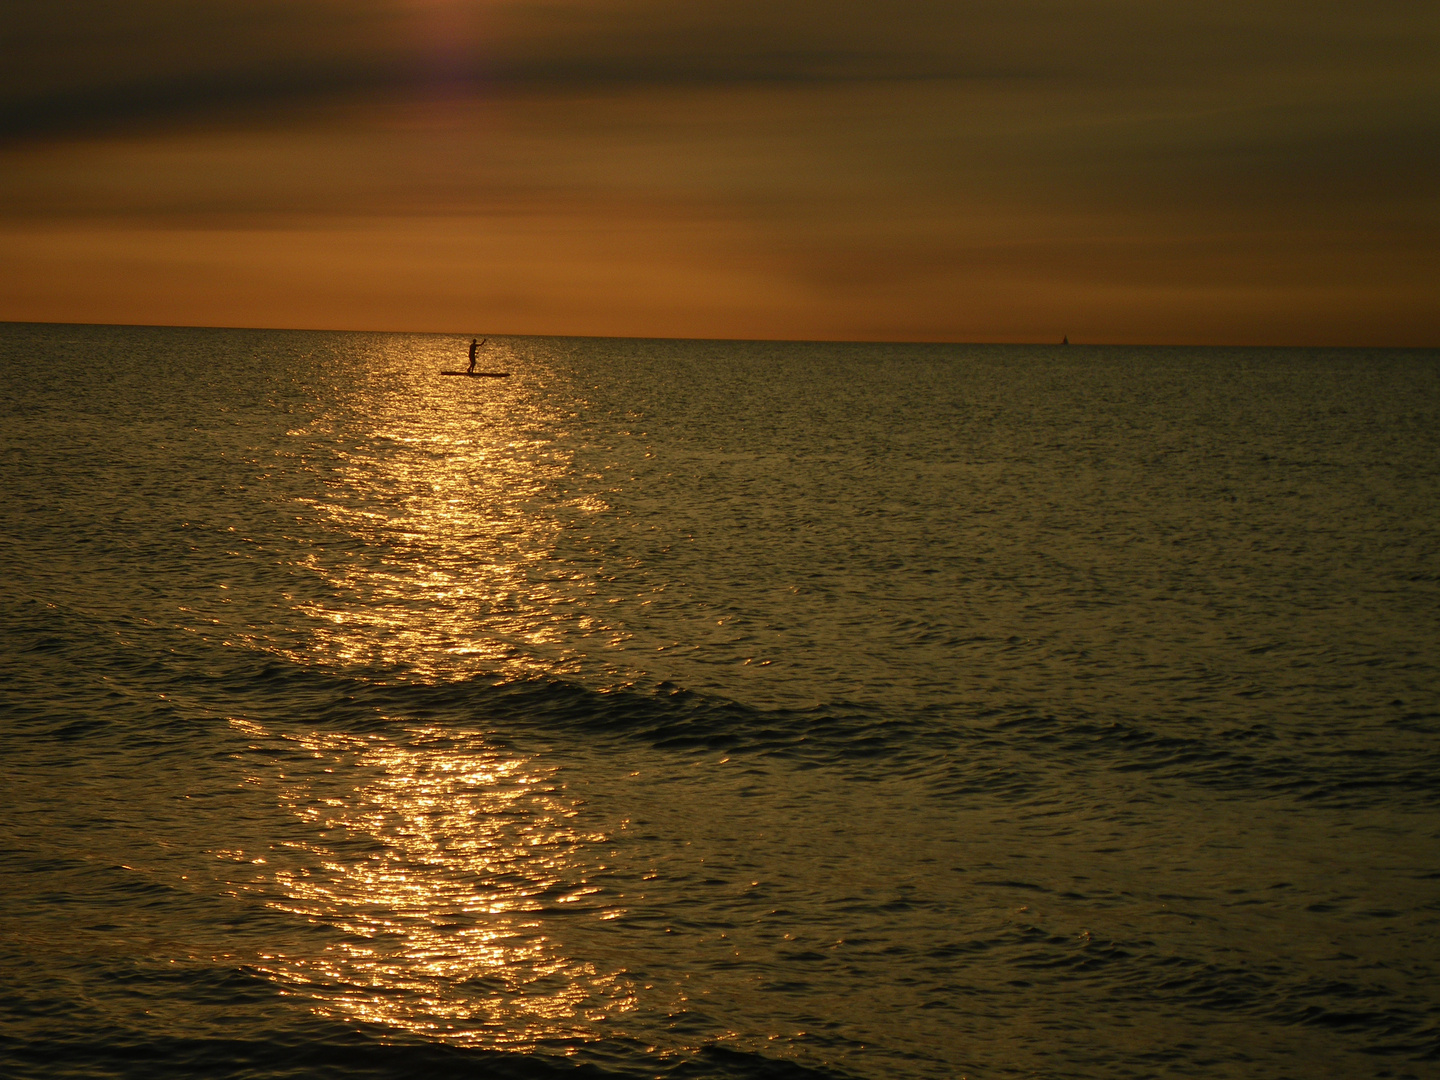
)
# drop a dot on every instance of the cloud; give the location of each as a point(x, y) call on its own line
point(72, 64)
point(855, 168)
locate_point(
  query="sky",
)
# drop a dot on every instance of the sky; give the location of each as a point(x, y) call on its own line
point(1121, 171)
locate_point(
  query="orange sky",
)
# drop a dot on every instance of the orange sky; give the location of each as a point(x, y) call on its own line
point(1115, 171)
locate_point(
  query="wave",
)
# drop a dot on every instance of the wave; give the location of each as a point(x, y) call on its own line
point(79, 674)
point(96, 1011)
point(342, 1054)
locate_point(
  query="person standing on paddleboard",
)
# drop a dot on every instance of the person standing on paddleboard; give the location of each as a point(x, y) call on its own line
point(473, 346)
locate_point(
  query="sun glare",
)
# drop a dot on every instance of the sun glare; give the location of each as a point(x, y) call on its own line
point(434, 873)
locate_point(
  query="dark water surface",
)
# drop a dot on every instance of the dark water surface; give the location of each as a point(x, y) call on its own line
point(711, 709)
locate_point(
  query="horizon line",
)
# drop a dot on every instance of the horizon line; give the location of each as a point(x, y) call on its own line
point(1065, 344)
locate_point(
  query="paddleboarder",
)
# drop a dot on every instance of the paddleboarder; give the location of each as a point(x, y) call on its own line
point(473, 346)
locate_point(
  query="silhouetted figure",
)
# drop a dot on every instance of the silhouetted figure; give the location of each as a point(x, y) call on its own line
point(473, 346)
point(1064, 340)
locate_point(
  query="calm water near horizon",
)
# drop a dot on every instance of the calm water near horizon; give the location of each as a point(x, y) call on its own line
point(691, 709)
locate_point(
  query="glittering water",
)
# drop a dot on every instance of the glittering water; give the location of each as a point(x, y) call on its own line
point(703, 709)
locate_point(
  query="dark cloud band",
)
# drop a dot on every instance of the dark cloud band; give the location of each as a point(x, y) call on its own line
point(70, 65)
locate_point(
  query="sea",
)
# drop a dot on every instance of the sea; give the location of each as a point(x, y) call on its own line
point(715, 709)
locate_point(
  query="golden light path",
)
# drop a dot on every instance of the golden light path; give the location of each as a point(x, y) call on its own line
point(452, 497)
point(434, 855)
point(437, 870)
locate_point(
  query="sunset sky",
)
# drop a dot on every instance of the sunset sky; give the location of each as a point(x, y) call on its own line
point(1256, 172)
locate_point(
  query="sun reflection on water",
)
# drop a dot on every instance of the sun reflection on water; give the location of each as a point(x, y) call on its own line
point(437, 530)
point(436, 868)
point(435, 876)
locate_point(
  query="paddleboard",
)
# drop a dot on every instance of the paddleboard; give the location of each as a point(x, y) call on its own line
point(480, 374)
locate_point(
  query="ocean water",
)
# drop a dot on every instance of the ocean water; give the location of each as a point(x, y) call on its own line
point(715, 709)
